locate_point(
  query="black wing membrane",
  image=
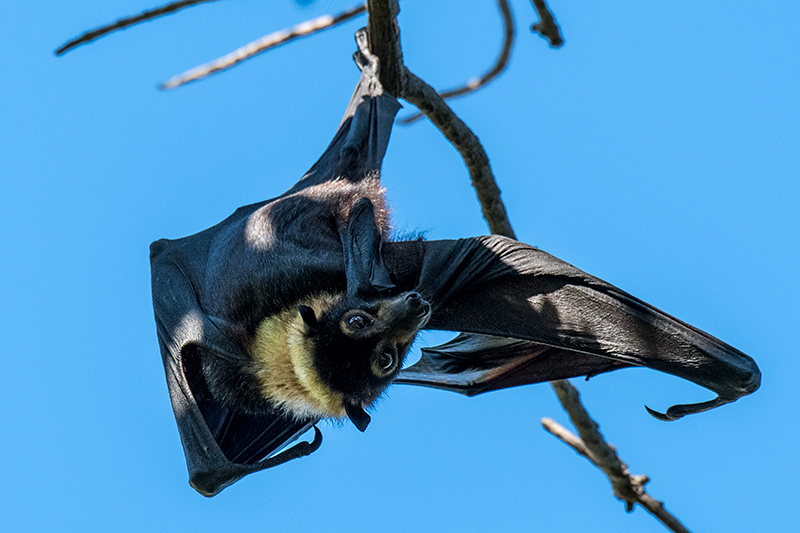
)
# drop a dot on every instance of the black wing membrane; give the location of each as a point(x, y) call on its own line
point(538, 318)
point(359, 145)
point(472, 364)
point(210, 431)
point(223, 444)
point(243, 438)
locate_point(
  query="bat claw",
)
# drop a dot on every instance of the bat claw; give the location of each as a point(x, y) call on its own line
point(664, 417)
point(679, 411)
point(315, 443)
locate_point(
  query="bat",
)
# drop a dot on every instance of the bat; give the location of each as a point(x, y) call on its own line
point(300, 308)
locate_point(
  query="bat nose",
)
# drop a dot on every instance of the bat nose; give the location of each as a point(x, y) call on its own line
point(415, 300)
point(414, 297)
point(417, 303)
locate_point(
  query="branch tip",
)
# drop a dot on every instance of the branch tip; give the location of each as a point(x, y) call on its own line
point(547, 26)
point(126, 22)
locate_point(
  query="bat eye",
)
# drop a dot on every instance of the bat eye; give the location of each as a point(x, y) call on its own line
point(357, 322)
point(385, 361)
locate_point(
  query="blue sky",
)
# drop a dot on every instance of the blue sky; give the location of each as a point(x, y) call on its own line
point(658, 150)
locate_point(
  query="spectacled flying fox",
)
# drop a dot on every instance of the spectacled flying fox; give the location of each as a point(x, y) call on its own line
point(300, 308)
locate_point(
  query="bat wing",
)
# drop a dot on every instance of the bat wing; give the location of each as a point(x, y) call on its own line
point(191, 276)
point(530, 317)
point(221, 444)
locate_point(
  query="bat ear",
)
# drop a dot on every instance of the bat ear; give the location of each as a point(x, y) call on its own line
point(309, 318)
point(366, 273)
point(357, 416)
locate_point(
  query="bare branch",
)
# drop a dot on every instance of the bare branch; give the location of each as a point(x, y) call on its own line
point(499, 66)
point(427, 100)
point(593, 446)
point(121, 24)
point(268, 42)
point(383, 19)
point(567, 437)
point(547, 26)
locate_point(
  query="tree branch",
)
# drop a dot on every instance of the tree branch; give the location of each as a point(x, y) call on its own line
point(268, 42)
point(592, 445)
point(384, 42)
point(427, 100)
point(412, 89)
point(121, 24)
point(499, 66)
point(547, 26)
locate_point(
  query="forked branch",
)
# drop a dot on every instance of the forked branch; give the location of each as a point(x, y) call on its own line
point(499, 66)
point(547, 26)
point(592, 445)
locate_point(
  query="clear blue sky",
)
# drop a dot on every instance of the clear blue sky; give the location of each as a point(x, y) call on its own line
point(658, 149)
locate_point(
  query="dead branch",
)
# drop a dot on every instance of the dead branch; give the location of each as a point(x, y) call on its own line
point(268, 42)
point(426, 99)
point(499, 66)
point(121, 24)
point(592, 445)
point(384, 42)
point(547, 26)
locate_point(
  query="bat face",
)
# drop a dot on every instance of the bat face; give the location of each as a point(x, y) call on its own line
point(359, 346)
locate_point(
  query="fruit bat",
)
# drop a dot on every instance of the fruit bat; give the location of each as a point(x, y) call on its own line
point(300, 308)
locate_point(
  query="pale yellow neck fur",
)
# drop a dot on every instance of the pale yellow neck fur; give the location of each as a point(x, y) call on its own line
point(283, 352)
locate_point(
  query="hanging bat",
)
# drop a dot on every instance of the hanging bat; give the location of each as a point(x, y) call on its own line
point(299, 308)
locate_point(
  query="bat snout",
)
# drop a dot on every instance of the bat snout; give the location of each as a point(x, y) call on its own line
point(415, 309)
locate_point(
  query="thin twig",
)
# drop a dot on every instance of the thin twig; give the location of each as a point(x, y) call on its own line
point(90, 36)
point(427, 100)
point(592, 445)
point(268, 42)
point(383, 20)
point(499, 66)
point(547, 26)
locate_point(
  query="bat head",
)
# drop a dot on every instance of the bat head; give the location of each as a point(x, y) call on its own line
point(359, 346)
